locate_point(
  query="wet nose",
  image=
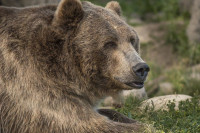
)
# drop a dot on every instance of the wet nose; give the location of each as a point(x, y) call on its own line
point(141, 70)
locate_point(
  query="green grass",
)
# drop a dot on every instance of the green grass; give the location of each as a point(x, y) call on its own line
point(184, 120)
point(176, 36)
point(155, 71)
point(188, 55)
point(181, 79)
point(158, 9)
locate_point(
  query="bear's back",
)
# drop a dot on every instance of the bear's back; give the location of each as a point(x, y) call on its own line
point(21, 15)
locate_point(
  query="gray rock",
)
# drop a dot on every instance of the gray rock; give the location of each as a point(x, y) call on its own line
point(137, 93)
point(160, 103)
point(166, 88)
point(195, 72)
point(195, 76)
point(196, 68)
point(119, 99)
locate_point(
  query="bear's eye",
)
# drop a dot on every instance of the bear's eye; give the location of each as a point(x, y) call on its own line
point(132, 40)
point(109, 45)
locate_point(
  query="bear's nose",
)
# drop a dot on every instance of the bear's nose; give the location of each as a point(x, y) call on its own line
point(141, 70)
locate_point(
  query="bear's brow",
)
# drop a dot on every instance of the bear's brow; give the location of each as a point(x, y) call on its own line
point(111, 32)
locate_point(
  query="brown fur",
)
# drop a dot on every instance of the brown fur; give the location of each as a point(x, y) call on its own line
point(56, 63)
point(113, 5)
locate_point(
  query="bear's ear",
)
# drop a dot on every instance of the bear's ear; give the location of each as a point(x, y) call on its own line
point(113, 5)
point(68, 13)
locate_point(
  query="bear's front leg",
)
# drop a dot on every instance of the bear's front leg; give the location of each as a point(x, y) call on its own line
point(115, 116)
point(93, 122)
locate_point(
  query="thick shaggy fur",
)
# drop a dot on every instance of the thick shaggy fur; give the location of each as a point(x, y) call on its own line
point(54, 68)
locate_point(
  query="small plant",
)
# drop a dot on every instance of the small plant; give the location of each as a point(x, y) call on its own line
point(184, 120)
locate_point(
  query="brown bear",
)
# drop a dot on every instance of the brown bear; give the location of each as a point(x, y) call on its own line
point(57, 62)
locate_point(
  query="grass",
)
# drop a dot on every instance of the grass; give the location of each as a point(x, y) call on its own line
point(156, 10)
point(176, 36)
point(184, 120)
point(155, 71)
point(181, 79)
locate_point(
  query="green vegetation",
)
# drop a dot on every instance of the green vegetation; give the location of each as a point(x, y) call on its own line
point(184, 120)
point(182, 81)
point(162, 9)
point(176, 36)
point(155, 71)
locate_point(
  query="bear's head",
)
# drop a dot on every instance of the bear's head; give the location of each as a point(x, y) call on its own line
point(107, 48)
point(73, 45)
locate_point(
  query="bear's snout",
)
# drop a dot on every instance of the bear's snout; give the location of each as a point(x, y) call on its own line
point(141, 70)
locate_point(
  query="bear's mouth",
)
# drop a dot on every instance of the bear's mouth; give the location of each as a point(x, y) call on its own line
point(136, 85)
